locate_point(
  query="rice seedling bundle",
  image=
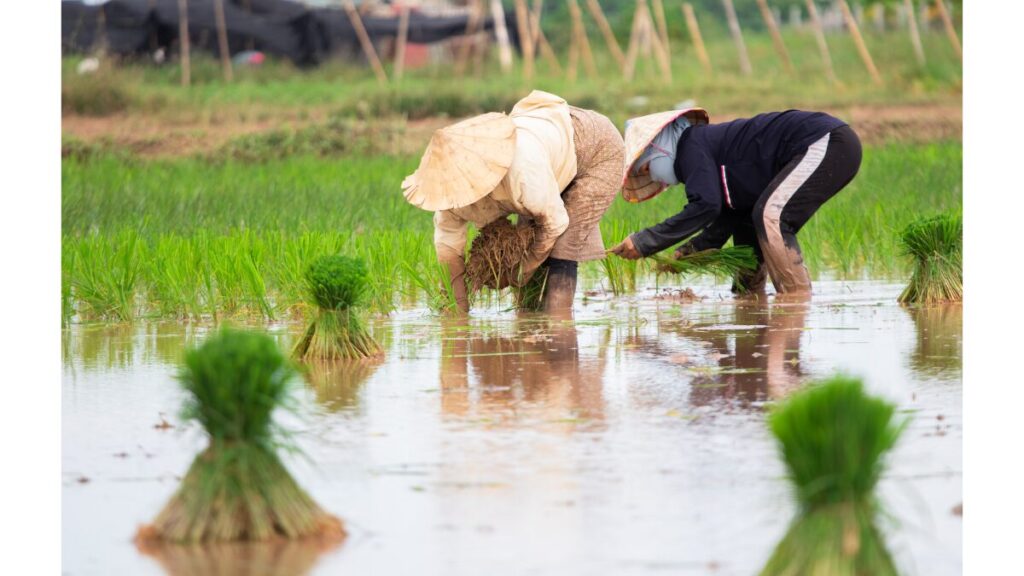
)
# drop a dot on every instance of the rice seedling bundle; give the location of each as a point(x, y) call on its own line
point(722, 263)
point(238, 488)
point(497, 253)
point(336, 285)
point(833, 438)
point(936, 245)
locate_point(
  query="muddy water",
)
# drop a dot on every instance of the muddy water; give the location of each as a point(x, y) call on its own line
point(631, 441)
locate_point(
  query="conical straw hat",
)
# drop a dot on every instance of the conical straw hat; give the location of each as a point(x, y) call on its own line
point(463, 163)
point(639, 134)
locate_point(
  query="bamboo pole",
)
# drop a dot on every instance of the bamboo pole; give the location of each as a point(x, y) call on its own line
point(222, 39)
point(915, 34)
point(819, 36)
point(501, 31)
point(522, 23)
point(403, 37)
point(862, 48)
point(365, 42)
point(541, 40)
point(947, 22)
point(609, 37)
point(659, 18)
point(737, 37)
point(634, 46)
point(653, 42)
point(773, 28)
point(581, 38)
point(535, 13)
point(250, 42)
point(574, 53)
point(183, 43)
point(698, 40)
point(548, 53)
point(467, 39)
point(102, 41)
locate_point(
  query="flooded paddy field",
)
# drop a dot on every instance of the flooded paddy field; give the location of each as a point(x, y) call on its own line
point(629, 440)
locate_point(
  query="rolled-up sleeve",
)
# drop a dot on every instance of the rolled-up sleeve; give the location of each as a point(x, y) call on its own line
point(536, 190)
point(449, 236)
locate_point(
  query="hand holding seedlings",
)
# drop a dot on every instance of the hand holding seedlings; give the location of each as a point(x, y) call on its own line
point(734, 192)
point(626, 249)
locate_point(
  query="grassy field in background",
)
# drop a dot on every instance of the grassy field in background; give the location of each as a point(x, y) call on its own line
point(277, 89)
point(191, 238)
point(258, 177)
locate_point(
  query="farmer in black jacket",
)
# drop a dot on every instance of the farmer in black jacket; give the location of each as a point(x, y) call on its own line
point(757, 180)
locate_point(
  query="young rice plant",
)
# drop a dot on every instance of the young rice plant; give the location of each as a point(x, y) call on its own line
point(238, 488)
point(936, 245)
point(336, 285)
point(833, 438)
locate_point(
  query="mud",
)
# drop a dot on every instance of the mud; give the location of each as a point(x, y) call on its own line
point(628, 440)
point(174, 135)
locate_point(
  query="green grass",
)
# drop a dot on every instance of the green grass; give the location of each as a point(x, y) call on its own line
point(194, 239)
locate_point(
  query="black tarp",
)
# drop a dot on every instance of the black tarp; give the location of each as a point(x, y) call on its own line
point(277, 27)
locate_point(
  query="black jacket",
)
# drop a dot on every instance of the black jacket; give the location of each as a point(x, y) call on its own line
point(727, 166)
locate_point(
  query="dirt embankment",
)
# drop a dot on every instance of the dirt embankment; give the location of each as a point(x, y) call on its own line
point(159, 136)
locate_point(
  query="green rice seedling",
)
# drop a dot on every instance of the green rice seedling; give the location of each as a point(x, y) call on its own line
point(620, 273)
point(433, 280)
point(833, 438)
point(238, 488)
point(336, 285)
point(721, 263)
point(530, 296)
point(106, 274)
point(936, 245)
point(67, 267)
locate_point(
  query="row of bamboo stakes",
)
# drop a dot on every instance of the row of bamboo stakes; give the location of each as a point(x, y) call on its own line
point(648, 38)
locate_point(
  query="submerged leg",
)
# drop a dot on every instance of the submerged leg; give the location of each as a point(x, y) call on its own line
point(560, 289)
point(796, 193)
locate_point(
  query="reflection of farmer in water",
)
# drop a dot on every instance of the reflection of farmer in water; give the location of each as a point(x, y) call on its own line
point(764, 363)
point(536, 371)
point(557, 165)
point(757, 180)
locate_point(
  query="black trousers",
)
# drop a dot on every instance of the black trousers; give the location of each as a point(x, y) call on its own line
point(804, 184)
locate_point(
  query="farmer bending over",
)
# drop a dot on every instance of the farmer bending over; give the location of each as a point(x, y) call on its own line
point(757, 180)
point(555, 164)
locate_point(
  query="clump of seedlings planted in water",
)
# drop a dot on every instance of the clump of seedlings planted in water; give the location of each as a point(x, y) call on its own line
point(238, 488)
point(936, 245)
point(336, 285)
point(833, 439)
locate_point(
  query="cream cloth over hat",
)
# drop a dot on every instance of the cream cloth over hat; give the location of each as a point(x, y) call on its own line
point(639, 134)
point(463, 163)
